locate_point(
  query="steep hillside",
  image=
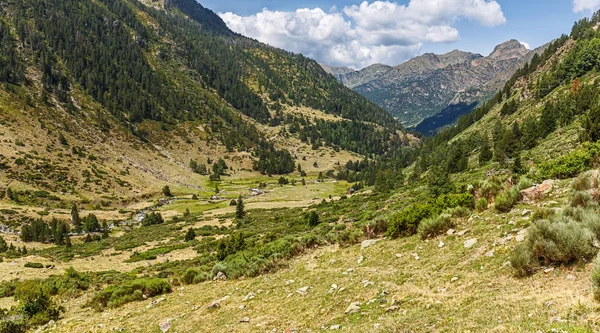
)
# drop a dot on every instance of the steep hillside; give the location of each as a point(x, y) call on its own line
point(132, 93)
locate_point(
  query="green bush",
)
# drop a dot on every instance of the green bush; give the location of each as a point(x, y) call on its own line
point(542, 213)
point(561, 241)
point(432, 227)
point(481, 204)
point(33, 265)
point(406, 222)
point(596, 280)
point(117, 295)
point(581, 199)
point(506, 200)
point(524, 183)
point(583, 182)
point(490, 187)
point(189, 276)
point(523, 261)
point(458, 212)
point(571, 164)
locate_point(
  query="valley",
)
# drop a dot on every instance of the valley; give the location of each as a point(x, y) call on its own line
point(161, 173)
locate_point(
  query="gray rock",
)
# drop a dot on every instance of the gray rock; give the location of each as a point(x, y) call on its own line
point(392, 308)
point(165, 325)
point(470, 243)
point(520, 238)
point(303, 291)
point(464, 232)
point(368, 243)
point(450, 232)
point(334, 327)
point(245, 320)
point(353, 308)
point(248, 297)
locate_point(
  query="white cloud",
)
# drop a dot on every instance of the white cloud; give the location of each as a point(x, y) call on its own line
point(359, 35)
point(526, 45)
point(583, 5)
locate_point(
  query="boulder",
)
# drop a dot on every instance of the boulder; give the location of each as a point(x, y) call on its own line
point(368, 243)
point(353, 308)
point(470, 243)
point(537, 191)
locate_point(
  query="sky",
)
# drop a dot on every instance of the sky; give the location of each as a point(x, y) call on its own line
point(357, 33)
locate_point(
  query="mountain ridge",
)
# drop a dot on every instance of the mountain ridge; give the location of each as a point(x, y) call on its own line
point(425, 85)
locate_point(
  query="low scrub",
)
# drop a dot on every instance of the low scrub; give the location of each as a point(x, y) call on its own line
point(481, 204)
point(571, 164)
point(117, 295)
point(596, 280)
point(432, 227)
point(581, 199)
point(406, 222)
point(562, 239)
point(506, 200)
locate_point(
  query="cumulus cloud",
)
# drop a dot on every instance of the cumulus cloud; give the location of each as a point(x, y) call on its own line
point(583, 5)
point(526, 45)
point(359, 35)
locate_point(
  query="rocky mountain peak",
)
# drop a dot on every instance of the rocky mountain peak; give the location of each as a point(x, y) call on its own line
point(509, 50)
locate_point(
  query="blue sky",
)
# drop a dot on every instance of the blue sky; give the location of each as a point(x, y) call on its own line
point(366, 35)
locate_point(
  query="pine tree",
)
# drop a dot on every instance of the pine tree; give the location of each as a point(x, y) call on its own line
point(68, 242)
point(240, 213)
point(313, 219)
point(75, 219)
point(167, 191)
point(485, 153)
point(3, 246)
point(190, 235)
point(105, 230)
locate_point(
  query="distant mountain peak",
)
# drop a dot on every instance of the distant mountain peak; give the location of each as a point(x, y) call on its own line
point(508, 50)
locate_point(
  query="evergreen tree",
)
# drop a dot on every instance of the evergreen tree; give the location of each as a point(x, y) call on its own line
point(438, 181)
point(313, 219)
point(90, 223)
point(105, 230)
point(167, 191)
point(485, 153)
point(591, 125)
point(68, 242)
point(75, 219)
point(240, 213)
point(3, 245)
point(190, 235)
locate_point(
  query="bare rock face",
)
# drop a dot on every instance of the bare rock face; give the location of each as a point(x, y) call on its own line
point(537, 192)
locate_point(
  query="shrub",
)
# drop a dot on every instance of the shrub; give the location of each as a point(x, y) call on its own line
point(561, 241)
point(117, 295)
point(153, 219)
point(581, 199)
point(542, 213)
point(571, 164)
point(481, 204)
point(374, 228)
point(583, 182)
point(432, 227)
point(596, 280)
point(506, 200)
point(490, 187)
point(523, 261)
point(33, 265)
point(524, 183)
point(35, 304)
point(458, 212)
point(189, 276)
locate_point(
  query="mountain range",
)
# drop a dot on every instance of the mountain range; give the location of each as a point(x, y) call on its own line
point(425, 86)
